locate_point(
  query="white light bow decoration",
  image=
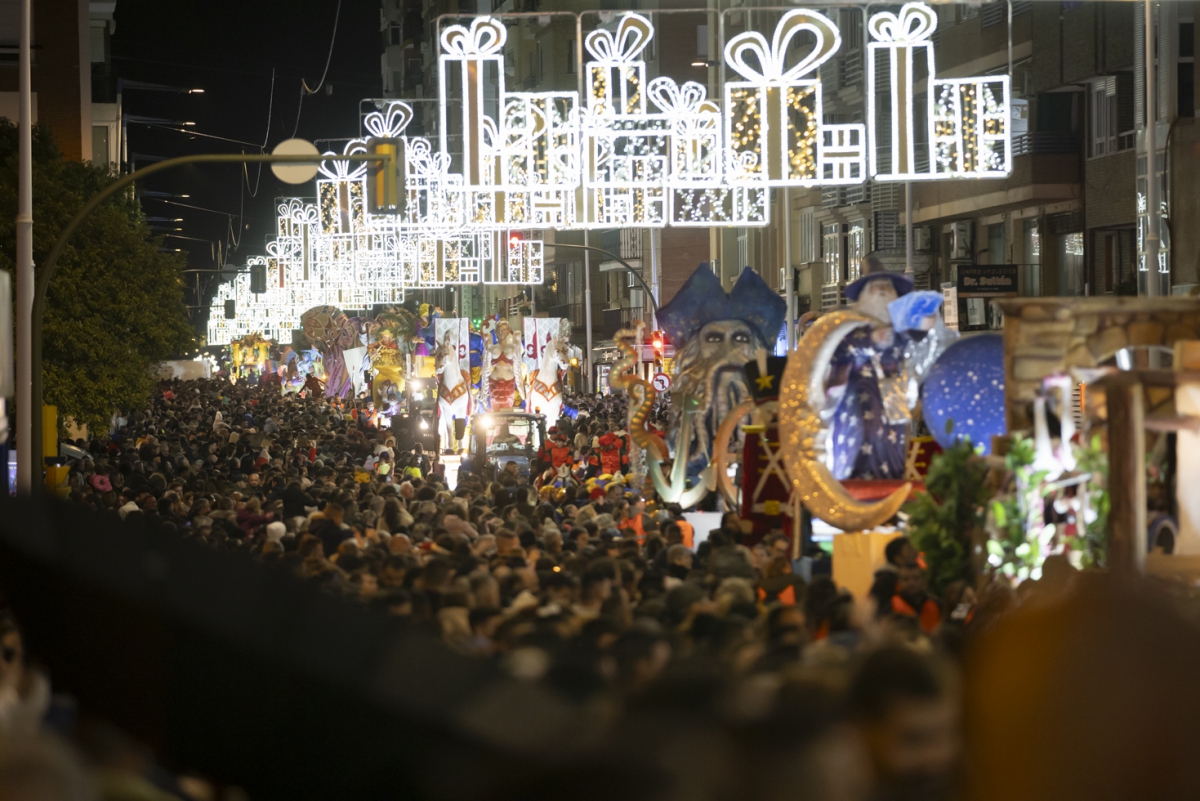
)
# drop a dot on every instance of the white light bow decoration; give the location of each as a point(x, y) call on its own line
point(632, 153)
point(962, 127)
point(776, 113)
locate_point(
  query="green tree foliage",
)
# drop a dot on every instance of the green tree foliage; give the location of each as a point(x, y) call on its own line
point(115, 306)
point(944, 520)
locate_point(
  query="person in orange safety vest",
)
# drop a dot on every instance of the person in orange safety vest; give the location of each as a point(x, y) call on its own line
point(912, 599)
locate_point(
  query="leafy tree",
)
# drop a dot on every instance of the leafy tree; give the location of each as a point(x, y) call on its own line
point(944, 521)
point(115, 307)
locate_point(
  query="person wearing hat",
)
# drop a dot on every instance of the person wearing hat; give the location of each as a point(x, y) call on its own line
point(868, 377)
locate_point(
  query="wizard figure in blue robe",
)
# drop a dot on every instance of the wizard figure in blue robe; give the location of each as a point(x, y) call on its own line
point(869, 395)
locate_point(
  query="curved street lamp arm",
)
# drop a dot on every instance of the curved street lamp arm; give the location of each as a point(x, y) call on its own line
point(46, 273)
point(614, 257)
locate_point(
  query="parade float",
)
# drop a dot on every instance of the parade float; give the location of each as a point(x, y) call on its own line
point(991, 452)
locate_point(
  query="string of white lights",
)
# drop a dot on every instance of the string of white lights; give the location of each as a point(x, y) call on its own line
point(550, 160)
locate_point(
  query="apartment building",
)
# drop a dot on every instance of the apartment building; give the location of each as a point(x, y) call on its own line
point(1066, 221)
point(1070, 218)
point(74, 91)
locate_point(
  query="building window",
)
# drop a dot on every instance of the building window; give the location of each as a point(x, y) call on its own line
point(395, 35)
point(1186, 69)
point(1031, 278)
point(996, 244)
point(1070, 265)
point(993, 13)
point(1115, 270)
point(570, 56)
point(831, 252)
point(856, 250)
point(100, 145)
point(1103, 117)
point(810, 236)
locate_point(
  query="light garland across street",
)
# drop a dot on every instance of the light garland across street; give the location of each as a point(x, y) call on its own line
point(635, 153)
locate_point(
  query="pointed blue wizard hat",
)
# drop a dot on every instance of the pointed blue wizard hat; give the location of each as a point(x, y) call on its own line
point(702, 300)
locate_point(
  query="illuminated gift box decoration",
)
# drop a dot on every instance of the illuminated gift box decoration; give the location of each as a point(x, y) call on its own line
point(616, 77)
point(957, 129)
point(775, 114)
point(525, 263)
point(739, 200)
point(458, 259)
point(472, 59)
point(695, 130)
point(435, 216)
point(436, 197)
point(540, 158)
point(625, 170)
point(841, 154)
point(970, 128)
point(341, 198)
point(626, 157)
point(428, 196)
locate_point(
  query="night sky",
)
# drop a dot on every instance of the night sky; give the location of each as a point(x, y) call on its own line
point(229, 49)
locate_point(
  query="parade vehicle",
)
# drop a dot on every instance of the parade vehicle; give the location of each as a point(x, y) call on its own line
point(416, 421)
point(500, 437)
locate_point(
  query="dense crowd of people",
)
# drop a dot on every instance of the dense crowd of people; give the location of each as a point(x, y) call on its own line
point(575, 576)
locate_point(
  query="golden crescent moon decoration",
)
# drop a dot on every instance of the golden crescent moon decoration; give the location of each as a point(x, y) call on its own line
point(721, 449)
point(800, 400)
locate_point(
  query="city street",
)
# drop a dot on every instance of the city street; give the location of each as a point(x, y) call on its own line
point(548, 400)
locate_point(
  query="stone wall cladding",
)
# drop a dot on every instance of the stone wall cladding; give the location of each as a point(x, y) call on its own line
point(1044, 336)
point(1111, 195)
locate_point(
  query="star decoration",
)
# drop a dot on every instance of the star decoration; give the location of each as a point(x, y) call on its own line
point(765, 381)
point(866, 448)
point(868, 415)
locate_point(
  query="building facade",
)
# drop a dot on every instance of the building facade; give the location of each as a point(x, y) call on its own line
point(74, 89)
point(1067, 220)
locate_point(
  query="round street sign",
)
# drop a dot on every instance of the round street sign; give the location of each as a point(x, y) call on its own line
point(295, 173)
point(661, 382)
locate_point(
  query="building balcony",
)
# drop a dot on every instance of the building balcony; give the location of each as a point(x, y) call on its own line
point(1044, 143)
point(616, 319)
point(1045, 170)
point(625, 243)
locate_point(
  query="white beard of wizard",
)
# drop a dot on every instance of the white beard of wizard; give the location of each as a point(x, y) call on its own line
point(715, 335)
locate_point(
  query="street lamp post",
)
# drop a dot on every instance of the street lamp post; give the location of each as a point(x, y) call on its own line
point(587, 295)
point(27, 476)
point(30, 453)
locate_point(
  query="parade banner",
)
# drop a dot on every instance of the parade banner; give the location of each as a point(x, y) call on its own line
point(457, 330)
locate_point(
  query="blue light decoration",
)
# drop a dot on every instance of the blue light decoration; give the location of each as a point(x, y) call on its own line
point(964, 394)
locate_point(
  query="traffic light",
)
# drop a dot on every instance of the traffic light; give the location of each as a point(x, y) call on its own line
point(386, 193)
point(656, 340)
point(258, 278)
point(514, 240)
point(231, 310)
